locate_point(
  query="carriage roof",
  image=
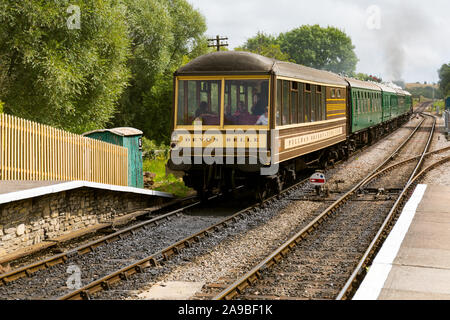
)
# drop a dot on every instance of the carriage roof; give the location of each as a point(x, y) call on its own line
point(355, 83)
point(245, 63)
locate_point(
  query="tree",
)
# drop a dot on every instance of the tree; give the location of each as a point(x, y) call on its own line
point(444, 76)
point(52, 73)
point(321, 48)
point(427, 91)
point(164, 33)
point(366, 77)
point(265, 45)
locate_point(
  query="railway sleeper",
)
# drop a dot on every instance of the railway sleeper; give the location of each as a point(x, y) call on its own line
point(85, 295)
point(105, 285)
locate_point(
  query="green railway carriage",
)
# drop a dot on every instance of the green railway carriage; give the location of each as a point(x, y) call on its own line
point(404, 101)
point(365, 104)
point(388, 96)
point(400, 102)
point(407, 106)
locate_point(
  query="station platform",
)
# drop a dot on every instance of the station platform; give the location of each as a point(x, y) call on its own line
point(19, 190)
point(36, 215)
point(414, 261)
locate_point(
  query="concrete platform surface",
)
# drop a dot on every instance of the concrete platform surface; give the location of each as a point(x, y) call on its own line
point(19, 190)
point(414, 261)
point(13, 186)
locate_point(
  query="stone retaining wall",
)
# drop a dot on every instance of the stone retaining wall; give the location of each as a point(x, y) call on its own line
point(29, 222)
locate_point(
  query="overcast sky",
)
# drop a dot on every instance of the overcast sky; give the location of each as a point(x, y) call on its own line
point(393, 39)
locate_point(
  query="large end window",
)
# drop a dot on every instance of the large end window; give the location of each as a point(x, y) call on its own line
point(246, 102)
point(199, 101)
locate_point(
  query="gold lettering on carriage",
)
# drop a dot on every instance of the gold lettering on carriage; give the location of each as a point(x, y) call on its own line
point(311, 138)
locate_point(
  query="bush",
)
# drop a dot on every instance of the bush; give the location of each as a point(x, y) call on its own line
point(153, 151)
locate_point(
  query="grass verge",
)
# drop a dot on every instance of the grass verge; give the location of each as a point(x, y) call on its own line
point(166, 183)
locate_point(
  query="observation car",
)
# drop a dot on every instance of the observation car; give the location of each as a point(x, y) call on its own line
point(241, 118)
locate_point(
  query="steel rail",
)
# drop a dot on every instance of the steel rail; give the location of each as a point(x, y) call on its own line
point(163, 255)
point(29, 269)
point(348, 289)
point(419, 164)
point(421, 157)
point(254, 274)
point(382, 232)
point(124, 273)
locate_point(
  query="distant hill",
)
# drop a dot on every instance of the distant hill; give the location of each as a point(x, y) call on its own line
point(425, 90)
point(420, 85)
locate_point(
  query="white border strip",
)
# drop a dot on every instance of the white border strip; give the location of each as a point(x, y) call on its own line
point(374, 281)
point(40, 191)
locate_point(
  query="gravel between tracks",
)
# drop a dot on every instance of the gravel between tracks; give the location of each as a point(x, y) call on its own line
point(440, 175)
point(52, 283)
point(214, 260)
point(319, 266)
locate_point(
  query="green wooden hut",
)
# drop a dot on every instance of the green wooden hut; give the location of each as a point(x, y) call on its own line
point(131, 139)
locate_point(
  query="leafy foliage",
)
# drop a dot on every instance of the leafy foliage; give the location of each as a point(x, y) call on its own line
point(321, 48)
point(68, 78)
point(116, 70)
point(444, 76)
point(265, 45)
point(424, 91)
point(367, 77)
point(164, 33)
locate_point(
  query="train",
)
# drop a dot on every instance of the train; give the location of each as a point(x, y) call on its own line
point(240, 118)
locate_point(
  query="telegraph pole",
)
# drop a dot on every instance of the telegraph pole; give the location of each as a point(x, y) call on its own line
point(218, 42)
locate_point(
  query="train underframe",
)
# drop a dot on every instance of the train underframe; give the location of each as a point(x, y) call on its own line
point(207, 180)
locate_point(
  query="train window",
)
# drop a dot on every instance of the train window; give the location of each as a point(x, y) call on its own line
point(301, 111)
point(199, 100)
point(314, 110)
point(249, 95)
point(324, 106)
point(180, 103)
point(279, 95)
point(333, 93)
point(248, 103)
point(356, 104)
point(319, 89)
point(320, 113)
point(285, 113)
point(338, 93)
point(307, 87)
point(307, 107)
point(294, 102)
point(294, 106)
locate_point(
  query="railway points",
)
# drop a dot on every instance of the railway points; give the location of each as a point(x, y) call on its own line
point(269, 285)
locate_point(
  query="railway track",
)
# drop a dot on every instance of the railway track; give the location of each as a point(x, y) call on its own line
point(166, 235)
point(97, 282)
point(85, 236)
point(30, 269)
point(153, 261)
point(165, 254)
point(319, 260)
